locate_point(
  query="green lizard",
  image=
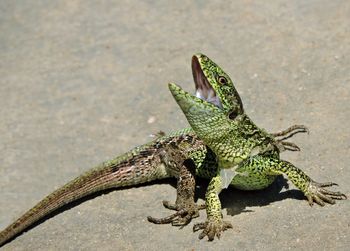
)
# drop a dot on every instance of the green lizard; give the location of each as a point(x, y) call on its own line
point(247, 156)
point(179, 155)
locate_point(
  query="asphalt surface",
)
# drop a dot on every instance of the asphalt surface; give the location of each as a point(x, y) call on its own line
point(84, 81)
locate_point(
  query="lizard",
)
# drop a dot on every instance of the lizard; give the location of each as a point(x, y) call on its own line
point(164, 157)
point(248, 157)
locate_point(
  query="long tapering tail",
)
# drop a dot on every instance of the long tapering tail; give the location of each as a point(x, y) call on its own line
point(138, 166)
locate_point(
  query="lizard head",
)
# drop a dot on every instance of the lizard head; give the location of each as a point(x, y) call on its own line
point(231, 138)
point(216, 112)
point(203, 116)
point(215, 86)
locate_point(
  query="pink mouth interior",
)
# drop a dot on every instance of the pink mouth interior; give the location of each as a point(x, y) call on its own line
point(203, 88)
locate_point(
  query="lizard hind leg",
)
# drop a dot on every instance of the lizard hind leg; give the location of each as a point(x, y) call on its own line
point(185, 207)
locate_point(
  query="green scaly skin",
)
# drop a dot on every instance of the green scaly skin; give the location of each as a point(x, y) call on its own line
point(208, 77)
point(162, 158)
point(244, 151)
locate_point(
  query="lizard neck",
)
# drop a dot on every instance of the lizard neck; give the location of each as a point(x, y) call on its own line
point(240, 140)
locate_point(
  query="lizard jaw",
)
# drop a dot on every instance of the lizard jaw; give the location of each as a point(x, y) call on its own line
point(204, 89)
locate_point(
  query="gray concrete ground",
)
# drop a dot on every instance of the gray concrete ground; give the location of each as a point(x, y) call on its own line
point(83, 81)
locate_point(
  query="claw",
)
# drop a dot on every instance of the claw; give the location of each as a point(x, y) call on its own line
point(201, 235)
point(326, 198)
point(202, 206)
point(319, 201)
point(198, 226)
point(309, 198)
point(167, 204)
point(291, 131)
point(328, 184)
point(290, 146)
point(339, 197)
point(166, 220)
point(157, 135)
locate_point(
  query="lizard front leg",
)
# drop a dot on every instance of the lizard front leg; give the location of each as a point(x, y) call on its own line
point(314, 191)
point(214, 224)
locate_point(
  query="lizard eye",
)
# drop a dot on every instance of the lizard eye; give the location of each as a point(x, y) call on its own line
point(222, 80)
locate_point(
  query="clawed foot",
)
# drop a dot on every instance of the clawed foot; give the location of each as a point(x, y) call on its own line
point(281, 137)
point(185, 213)
point(212, 228)
point(316, 192)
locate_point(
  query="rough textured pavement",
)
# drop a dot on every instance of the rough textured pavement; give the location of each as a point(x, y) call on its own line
point(83, 81)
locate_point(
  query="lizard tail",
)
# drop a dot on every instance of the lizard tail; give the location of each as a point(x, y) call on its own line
point(135, 167)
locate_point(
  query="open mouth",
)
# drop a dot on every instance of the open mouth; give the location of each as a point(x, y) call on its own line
point(204, 90)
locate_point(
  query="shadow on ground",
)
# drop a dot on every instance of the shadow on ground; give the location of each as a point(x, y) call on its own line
point(234, 200)
point(237, 201)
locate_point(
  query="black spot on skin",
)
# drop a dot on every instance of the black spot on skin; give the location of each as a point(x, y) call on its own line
point(232, 115)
